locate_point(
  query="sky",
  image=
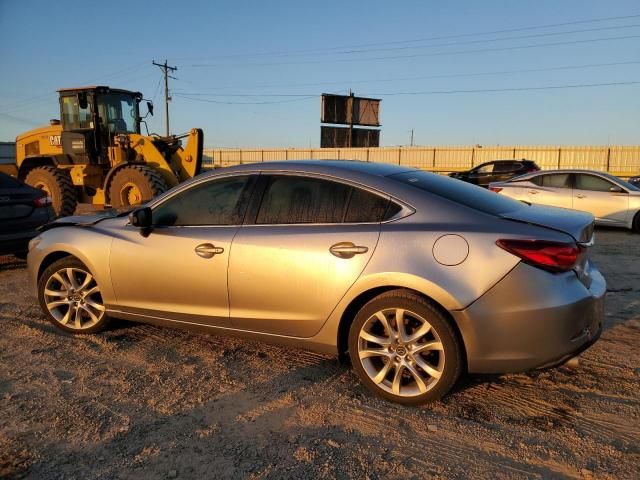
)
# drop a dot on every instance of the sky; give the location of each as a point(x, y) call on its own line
point(250, 74)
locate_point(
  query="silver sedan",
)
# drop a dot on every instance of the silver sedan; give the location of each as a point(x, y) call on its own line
point(414, 276)
point(611, 200)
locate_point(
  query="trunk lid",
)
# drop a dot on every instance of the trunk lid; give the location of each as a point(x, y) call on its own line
point(577, 224)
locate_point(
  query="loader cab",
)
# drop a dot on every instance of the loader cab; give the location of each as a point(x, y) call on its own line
point(92, 117)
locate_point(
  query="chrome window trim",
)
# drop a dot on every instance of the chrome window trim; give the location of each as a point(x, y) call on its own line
point(406, 209)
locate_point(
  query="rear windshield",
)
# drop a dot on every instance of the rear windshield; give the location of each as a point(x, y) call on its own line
point(8, 182)
point(460, 192)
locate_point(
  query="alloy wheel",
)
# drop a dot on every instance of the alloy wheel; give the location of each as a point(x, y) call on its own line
point(401, 352)
point(73, 298)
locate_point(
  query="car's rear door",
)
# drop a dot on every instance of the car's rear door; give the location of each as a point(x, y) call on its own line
point(503, 171)
point(178, 270)
point(592, 193)
point(553, 189)
point(305, 243)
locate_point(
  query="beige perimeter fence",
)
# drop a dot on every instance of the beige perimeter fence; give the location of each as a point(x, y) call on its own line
point(623, 161)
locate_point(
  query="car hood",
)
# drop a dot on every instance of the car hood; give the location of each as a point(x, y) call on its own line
point(82, 220)
point(577, 224)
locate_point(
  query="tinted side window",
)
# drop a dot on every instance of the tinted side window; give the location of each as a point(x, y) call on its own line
point(591, 182)
point(366, 207)
point(507, 166)
point(557, 180)
point(218, 202)
point(485, 168)
point(291, 199)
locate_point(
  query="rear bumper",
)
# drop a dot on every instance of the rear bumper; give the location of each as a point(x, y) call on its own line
point(532, 319)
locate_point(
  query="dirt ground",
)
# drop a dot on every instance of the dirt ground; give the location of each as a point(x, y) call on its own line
point(144, 402)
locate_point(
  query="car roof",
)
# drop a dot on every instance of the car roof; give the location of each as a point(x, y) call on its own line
point(321, 166)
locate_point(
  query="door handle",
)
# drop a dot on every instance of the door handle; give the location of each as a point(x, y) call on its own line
point(208, 250)
point(347, 249)
point(579, 195)
point(533, 192)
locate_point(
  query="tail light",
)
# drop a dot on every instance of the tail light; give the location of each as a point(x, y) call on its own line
point(495, 189)
point(552, 256)
point(42, 202)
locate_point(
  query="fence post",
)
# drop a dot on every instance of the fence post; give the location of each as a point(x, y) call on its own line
point(433, 161)
point(473, 155)
point(609, 160)
point(559, 155)
point(514, 153)
point(240, 151)
point(399, 155)
point(262, 155)
point(368, 154)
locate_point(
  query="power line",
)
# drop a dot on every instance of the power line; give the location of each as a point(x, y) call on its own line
point(514, 89)
point(424, 39)
point(466, 42)
point(419, 55)
point(420, 77)
point(299, 97)
point(46, 97)
point(221, 102)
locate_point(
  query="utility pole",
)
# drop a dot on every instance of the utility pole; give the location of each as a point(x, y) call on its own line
point(350, 113)
point(412, 137)
point(165, 69)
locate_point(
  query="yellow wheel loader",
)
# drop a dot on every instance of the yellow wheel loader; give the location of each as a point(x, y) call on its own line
point(96, 153)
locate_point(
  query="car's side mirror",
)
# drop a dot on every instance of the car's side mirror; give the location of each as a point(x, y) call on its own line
point(141, 218)
point(616, 189)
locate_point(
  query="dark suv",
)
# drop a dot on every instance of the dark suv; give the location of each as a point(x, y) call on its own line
point(496, 171)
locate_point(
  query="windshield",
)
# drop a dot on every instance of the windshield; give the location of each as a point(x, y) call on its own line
point(118, 112)
point(621, 182)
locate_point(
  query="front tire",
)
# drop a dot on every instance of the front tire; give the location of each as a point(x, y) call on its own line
point(135, 184)
point(404, 349)
point(57, 184)
point(70, 297)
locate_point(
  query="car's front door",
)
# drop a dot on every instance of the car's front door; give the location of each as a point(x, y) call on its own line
point(308, 241)
point(593, 194)
point(178, 271)
point(482, 174)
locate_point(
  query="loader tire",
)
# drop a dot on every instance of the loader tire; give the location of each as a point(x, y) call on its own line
point(57, 184)
point(134, 185)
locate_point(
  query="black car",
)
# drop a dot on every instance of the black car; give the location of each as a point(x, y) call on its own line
point(496, 171)
point(635, 181)
point(22, 210)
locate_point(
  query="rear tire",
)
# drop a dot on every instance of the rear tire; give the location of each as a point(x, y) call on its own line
point(57, 184)
point(414, 364)
point(134, 185)
point(636, 223)
point(70, 297)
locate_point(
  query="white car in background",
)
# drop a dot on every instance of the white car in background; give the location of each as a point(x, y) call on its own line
point(611, 200)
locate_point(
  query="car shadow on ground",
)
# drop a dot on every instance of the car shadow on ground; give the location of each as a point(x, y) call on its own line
point(9, 262)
